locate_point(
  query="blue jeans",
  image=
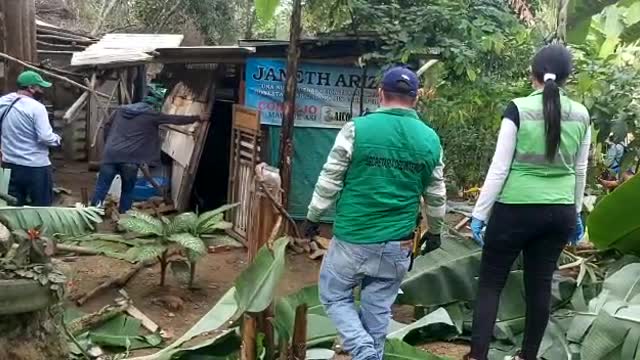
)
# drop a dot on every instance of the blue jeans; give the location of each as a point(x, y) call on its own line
point(31, 185)
point(128, 177)
point(378, 269)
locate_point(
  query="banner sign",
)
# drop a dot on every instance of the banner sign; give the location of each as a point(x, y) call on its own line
point(327, 95)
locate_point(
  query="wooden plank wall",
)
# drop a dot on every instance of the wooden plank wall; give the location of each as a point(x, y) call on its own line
point(184, 144)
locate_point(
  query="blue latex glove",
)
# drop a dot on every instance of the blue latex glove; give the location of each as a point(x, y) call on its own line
point(579, 231)
point(477, 227)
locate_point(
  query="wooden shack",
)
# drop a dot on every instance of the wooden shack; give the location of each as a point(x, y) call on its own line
point(118, 65)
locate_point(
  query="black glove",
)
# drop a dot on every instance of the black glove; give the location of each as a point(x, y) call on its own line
point(429, 242)
point(310, 229)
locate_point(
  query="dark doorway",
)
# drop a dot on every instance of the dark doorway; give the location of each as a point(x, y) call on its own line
point(212, 179)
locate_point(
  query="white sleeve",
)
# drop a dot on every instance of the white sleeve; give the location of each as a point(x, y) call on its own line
point(498, 171)
point(582, 160)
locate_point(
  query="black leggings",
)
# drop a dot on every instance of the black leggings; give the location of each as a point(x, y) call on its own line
point(540, 232)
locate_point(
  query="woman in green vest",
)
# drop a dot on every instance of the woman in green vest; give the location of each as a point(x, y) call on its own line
point(531, 199)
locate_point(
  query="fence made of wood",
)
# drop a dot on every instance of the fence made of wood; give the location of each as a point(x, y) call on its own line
point(245, 150)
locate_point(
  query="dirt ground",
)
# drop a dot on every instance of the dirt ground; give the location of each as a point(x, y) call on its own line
point(174, 307)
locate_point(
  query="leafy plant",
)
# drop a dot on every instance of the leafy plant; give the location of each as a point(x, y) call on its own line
point(52, 220)
point(614, 222)
point(180, 235)
point(481, 46)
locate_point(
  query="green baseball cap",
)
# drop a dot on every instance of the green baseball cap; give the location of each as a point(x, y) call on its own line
point(32, 78)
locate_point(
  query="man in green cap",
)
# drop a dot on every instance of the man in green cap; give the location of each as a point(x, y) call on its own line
point(26, 138)
point(132, 140)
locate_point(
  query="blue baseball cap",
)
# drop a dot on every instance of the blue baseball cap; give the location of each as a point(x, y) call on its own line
point(401, 80)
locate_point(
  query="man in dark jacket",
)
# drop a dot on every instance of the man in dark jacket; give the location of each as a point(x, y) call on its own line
point(132, 140)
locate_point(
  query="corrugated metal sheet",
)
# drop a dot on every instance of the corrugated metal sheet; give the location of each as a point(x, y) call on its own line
point(119, 49)
point(203, 54)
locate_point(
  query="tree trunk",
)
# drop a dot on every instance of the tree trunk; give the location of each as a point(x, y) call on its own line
point(163, 268)
point(289, 114)
point(192, 274)
point(18, 32)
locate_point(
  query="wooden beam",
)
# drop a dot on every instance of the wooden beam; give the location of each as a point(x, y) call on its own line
point(48, 73)
point(71, 113)
point(60, 46)
point(66, 39)
point(63, 33)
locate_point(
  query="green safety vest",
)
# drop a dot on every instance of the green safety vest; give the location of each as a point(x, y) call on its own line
point(394, 155)
point(533, 179)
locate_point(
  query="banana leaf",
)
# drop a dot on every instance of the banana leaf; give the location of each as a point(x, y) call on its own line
point(614, 222)
point(443, 276)
point(436, 325)
point(123, 332)
point(256, 285)
point(253, 292)
point(51, 220)
point(320, 328)
point(395, 349)
point(610, 329)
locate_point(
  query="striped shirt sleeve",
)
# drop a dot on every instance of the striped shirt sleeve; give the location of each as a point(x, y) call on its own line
point(331, 178)
point(436, 197)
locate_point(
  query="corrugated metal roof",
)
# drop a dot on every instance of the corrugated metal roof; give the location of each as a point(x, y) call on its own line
point(119, 49)
point(203, 54)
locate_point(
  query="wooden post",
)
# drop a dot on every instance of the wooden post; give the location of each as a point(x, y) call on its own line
point(299, 342)
point(289, 114)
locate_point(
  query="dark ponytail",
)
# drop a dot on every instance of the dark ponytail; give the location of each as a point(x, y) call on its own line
point(552, 112)
point(551, 67)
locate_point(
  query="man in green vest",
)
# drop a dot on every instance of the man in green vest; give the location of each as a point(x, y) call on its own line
point(377, 171)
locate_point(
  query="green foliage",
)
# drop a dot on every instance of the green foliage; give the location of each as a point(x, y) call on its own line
point(265, 9)
point(142, 224)
point(256, 285)
point(188, 242)
point(45, 274)
point(254, 289)
point(219, 21)
point(453, 266)
point(184, 232)
point(51, 220)
point(211, 221)
point(614, 222)
point(481, 46)
point(610, 89)
point(185, 222)
point(399, 350)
